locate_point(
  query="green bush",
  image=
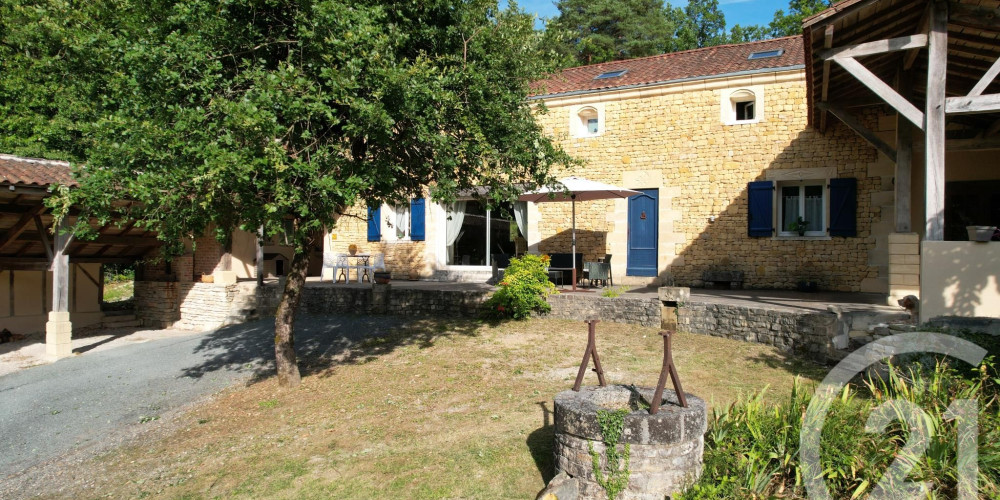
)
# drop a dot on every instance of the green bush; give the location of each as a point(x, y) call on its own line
point(523, 289)
point(752, 448)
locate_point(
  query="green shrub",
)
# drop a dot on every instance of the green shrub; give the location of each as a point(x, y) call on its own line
point(752, 448)
point(523, 289)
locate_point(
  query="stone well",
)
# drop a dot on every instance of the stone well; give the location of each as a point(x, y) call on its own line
point(666, 448)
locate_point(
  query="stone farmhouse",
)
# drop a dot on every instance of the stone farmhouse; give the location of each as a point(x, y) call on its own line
point(853, 156)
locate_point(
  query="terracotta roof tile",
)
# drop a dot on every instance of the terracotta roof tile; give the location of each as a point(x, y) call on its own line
point(689, 64)
point(34, 172)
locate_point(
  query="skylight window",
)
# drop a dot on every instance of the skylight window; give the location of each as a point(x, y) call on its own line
point(611, 74)
point(766, 54)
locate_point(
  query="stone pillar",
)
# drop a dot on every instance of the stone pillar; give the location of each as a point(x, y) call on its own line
point(904, 266)
point(672, 298)
point(58, 335)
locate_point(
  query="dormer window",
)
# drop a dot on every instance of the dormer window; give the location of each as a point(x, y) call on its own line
point(587, 121)
point(742, 105)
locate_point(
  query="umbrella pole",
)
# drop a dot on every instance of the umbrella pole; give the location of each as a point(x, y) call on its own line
point(573, 263)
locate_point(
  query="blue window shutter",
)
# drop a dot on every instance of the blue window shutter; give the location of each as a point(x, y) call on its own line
point(417, 219)
point(843, 207)
point(761, 214)
point(374, 223)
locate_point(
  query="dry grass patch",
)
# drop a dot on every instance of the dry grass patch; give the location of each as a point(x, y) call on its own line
point(437, 410)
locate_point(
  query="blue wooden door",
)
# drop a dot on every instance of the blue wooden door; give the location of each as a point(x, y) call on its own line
point(642, 233)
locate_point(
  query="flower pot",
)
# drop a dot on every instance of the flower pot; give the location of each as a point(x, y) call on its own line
point(382, 277)
point(980, 233)
point(352, 249)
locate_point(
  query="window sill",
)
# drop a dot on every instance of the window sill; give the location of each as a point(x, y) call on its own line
point(802, 238)
point(742, 122)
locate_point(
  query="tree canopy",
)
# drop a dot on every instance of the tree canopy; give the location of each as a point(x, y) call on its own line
point(595, 31)
point(265, 113)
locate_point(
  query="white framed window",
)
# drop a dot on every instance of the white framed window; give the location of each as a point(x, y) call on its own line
point(586, 121)
point(396, 222)
point(802, 208)
point(742, 105)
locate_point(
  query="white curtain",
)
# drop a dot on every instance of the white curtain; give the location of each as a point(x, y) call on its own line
point(814, 210)
point(453, 227)
point(402, 220)
point(521, 217)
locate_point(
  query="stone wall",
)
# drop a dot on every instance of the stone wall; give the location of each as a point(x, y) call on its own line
point(380, 299)
point(904, 266)
point(185, 306)
point(808, 334)
point(645, 312)
point(672, 138)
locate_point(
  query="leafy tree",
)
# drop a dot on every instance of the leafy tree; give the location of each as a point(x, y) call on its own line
point(44, 104)
point(791, 23)
point(703, 25)
point(276, 113)
point(595, 31)
point(743, 34)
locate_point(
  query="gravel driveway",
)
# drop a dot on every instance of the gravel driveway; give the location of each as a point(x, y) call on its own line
point(79, 406)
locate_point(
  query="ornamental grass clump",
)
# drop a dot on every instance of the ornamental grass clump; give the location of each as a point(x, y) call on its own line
point(752, 448)
point(523, 289)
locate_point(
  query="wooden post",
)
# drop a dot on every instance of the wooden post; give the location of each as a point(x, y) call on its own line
point(260, 256)
point(60, 268)
point(59, 329)
point(934, 138)
point(904, 162)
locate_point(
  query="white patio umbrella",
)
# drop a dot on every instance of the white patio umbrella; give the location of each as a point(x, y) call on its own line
point(577, 188)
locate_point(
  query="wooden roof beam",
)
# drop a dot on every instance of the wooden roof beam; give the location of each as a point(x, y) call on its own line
point(989, 103)
point(19, 226)
point(827, 43)
point(986, 80)
point(911, 56)
point(855, 125)
point(876, 47)
point(974, 16)
point(881, 89)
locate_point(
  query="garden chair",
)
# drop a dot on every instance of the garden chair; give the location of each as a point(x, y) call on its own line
point(375, 263)
point(597, 271)
point(607, 260)
point(337, 262)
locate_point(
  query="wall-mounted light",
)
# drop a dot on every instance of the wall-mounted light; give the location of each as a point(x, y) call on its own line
point(711, 218)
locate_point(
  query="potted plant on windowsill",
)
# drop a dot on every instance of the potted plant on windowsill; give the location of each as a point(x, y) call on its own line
point(799, 225)
point(981, 233)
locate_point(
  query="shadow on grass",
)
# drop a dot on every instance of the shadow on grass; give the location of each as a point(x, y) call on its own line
point(541, 444)
point(793, 364)
point(321, 343)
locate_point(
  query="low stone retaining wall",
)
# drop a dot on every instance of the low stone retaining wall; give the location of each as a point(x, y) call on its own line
point(384, 299)
point(202, 306)
point(809, 334)
point(186, 306)
point(645, 312)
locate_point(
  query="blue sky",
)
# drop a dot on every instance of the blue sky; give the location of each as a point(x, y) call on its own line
point(743, 12)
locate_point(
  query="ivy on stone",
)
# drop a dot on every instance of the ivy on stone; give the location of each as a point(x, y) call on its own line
point(612, 425)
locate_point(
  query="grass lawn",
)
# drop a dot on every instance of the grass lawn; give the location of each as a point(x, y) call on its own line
point(118, 291)
point(437, 410)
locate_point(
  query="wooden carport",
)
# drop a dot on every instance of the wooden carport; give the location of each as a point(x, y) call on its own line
point(931, 63)
point(29, 242)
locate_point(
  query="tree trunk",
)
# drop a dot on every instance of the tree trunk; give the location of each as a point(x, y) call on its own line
point(284, 320)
